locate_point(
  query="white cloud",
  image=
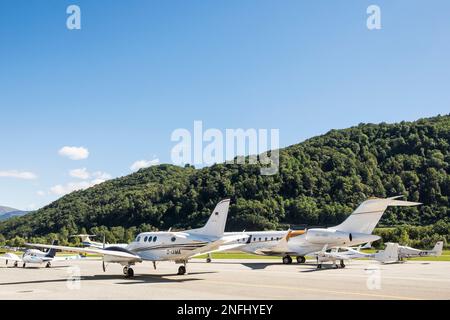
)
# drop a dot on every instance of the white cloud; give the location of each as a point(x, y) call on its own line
point(140, 164)
point(99, 177)
point(31, 207)
point(81, 173)
point(74, 153)
point(18, 174)
point(70, 187)
point(41, 193)
point(102, 175)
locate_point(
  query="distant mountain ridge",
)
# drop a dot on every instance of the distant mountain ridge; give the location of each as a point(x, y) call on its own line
point(7, 212)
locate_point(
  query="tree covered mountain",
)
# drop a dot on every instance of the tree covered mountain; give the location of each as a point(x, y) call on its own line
point(320, 182)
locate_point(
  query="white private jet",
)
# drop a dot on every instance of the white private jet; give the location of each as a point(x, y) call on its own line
point(164, 246)
point(405, 252)
point(34, 256)
point(355, 230)
point(388, 255)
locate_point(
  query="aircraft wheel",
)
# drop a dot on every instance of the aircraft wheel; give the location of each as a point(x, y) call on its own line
point(319, 266)
point(48, 265)
point(208, 260)
point(287, 260)
point(181, 270)
point(23, 266)
point(301, 259)
point(130, 273)
point(342, 264)
point(125, 270)
point(16, 264)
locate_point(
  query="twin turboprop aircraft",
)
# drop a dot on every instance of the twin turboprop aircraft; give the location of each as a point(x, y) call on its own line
point(164, 246)
point(355, 230)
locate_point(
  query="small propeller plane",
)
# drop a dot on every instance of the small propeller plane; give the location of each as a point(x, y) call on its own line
point(388, 255)
point(405, 252)
point(164, 245)
point(86, 241)
point(34, 256)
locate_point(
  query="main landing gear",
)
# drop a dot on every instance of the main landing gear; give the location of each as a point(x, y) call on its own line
point(181, 270)
point(301, 259)
point(48, 265)
point(209, 258)
point(23, 266)
point(287, 259)
point(342, 264)
point(16, 264)
point(128, 272)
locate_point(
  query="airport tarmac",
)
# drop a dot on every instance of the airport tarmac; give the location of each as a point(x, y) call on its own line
point(228, 279)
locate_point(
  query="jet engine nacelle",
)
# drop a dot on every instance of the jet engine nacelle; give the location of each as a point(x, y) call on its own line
point(328, 236)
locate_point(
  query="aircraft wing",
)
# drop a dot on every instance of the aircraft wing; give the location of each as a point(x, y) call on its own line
point(108, 252)
point(11, 257)
point(221, 248)
point(215, 246)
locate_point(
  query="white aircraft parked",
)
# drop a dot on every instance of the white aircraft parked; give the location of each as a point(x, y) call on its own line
point(164, 246)
point(388, 255)
point(34, 256)
point(355, 230)
point(405, 252)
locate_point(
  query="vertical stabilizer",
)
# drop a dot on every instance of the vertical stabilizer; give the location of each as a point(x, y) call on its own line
point(366, 216)
point(216, 222)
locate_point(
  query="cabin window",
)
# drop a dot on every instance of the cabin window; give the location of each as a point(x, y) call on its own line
point(266, 238)
point(145, 239)
point(173, 239)
point(271, 238)
point(259, 239)
point(138, 239)
point(149, 239)
point(154, 239)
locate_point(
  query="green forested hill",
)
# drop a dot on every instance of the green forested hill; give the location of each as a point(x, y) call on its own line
point(320, 181)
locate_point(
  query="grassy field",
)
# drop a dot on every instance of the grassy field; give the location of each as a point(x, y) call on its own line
point(241, 255)
point(236, 255)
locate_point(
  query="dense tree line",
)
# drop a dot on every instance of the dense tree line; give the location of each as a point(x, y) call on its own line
point(320, 182)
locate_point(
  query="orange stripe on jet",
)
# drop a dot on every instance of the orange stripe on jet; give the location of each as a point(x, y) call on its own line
point(294, 233)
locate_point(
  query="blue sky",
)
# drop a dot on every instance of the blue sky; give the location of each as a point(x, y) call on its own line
point(137, 70)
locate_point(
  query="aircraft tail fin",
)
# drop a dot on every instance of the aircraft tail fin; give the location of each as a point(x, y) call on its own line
point(216, 222)
point(52, 252)
point(437, 249)
point(389, 254)
point(366, 216)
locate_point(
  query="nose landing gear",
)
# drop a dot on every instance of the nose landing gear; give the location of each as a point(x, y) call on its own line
point(128, 272)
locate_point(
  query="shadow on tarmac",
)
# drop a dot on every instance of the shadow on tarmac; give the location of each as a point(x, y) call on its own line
point(122, 280)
